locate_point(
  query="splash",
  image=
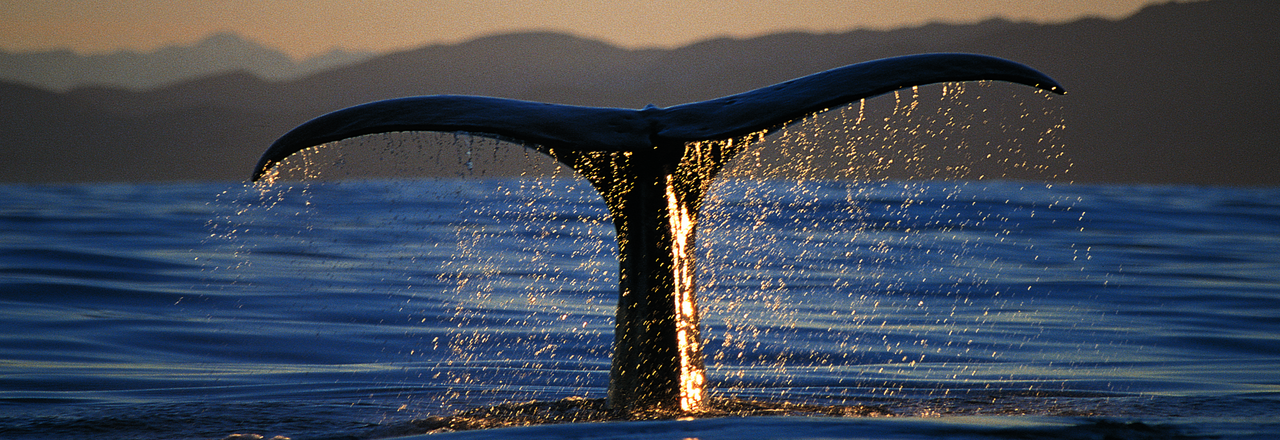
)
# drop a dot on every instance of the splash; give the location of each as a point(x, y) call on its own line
point(902, 249)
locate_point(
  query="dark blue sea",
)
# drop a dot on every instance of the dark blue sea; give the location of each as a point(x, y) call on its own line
point(329, 310)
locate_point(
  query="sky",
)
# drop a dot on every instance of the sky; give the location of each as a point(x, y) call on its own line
point(306, 28)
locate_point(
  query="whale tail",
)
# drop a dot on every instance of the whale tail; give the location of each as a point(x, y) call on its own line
point(580, 128)
point(653, 183)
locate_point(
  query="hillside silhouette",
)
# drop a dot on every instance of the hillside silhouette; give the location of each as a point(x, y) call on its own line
point(1176, 93)
point(62, 70)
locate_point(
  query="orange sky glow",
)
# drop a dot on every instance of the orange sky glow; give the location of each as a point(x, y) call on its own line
point(313, 27)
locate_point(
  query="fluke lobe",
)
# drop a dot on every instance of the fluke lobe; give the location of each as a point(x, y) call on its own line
point(652, 172)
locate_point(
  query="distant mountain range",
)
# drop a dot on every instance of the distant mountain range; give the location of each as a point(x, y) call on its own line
point(63, 70)
point(1177, 93)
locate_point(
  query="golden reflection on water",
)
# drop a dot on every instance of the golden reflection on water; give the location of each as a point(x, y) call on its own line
point(692, 375)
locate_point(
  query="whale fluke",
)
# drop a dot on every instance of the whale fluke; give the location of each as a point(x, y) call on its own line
point(780, 103)
point(611, 129)
point(638, 161)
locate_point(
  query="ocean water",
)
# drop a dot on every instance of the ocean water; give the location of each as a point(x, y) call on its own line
point(989, 309)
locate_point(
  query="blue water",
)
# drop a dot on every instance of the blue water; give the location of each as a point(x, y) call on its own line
point(351, 309)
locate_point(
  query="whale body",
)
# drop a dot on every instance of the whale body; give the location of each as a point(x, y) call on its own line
point(636, 159)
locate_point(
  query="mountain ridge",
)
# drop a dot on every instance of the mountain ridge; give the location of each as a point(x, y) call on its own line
point(63, 70)
point(1176, 93)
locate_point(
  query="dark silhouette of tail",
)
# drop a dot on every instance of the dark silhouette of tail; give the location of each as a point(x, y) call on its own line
point(638, 162)
point(612, 129)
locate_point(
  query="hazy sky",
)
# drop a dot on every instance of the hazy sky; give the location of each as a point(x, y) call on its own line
point(309, 27)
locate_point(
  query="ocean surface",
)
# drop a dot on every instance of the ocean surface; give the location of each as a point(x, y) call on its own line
point(335, 310)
